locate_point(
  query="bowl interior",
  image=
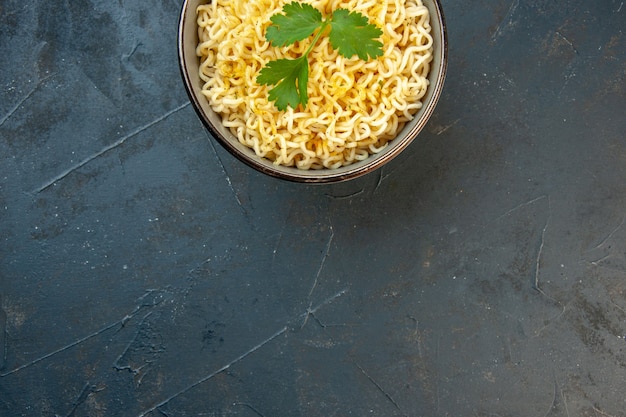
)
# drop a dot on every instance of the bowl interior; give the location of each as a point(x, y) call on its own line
point(189, 64)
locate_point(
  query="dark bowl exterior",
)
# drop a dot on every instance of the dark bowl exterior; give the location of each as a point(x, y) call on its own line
point(189, 66)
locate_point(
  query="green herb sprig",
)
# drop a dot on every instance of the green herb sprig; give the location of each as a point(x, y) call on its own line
point(350, 34)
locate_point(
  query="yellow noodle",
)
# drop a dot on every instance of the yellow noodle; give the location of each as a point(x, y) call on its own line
point(355, 107)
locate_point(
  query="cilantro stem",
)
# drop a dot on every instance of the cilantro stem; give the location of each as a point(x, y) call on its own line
point(350, 34)
point(323, 26)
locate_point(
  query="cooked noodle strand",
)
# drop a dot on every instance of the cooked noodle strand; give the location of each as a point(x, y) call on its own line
point(355, 108)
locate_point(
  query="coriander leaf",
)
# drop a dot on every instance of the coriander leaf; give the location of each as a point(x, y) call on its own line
point(299, 22)
point(352, 34)
point(290, 77)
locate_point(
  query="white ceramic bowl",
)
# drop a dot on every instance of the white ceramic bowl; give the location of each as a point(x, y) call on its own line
point(189, 65)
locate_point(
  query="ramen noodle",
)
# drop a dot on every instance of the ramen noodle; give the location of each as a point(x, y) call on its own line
point(355, 107)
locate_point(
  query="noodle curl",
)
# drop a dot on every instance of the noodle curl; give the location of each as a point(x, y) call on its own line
point(355, 107)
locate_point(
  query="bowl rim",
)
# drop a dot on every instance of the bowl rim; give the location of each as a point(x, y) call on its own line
point(322, 176)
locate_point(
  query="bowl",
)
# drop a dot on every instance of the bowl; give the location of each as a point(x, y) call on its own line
point(189, 66)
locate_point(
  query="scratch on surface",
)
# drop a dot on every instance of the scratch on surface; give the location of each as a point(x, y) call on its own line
point(20, 102)
point(549, 321)
point(214, 373)
point(280, 236)
point(230, 183)
point(330, 299)
point(326, 301)
point(380, 388)
point(610, 267)
point(257, 412)
point(602, 413)
point(505, 21)
point(519, 206)
point(307, 313)
point(87, 390)
point(132, 370)
point(540, 252)
point(619, 9)
point(4, 335)
point(555, 401)
point(107, 148)
point(62, 349)
point(132, 52)
point(240, 357)
point(557, 397)
point(347, 196)
point(278, 242)
point(568, 77)
point(310, 312)
point(121, 323)
point(444, 128)
point(567, 41)
point(564, 402)
point(600, 260)
point(610, 235)
point(323, 261)
point(618, 307)
point(380, 180)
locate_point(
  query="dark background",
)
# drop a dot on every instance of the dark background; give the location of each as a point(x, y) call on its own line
point(145, 271)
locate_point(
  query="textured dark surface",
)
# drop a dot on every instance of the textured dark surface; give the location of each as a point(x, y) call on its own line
point(144, 271)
